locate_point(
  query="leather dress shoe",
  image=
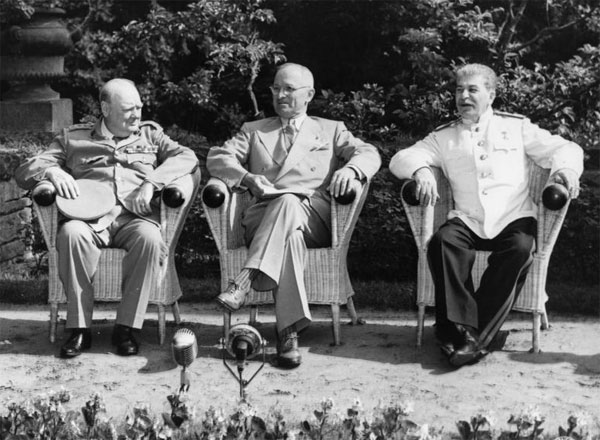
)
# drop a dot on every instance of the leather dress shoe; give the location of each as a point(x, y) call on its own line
point(80, 340)
point(448, 337)
point(288, 355)
point(233, 298)
point(123, 338)
point(469, 352)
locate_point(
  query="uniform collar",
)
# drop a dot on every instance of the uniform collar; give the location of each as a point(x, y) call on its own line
point(105, 132)
point(484, 119)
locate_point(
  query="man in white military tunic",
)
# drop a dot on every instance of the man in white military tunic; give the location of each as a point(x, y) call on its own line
point(133, 159)
point(484, 155)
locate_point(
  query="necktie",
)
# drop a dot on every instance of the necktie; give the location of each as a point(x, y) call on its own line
point(290, 133)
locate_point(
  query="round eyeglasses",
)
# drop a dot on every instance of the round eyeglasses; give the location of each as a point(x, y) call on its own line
point(287, 90)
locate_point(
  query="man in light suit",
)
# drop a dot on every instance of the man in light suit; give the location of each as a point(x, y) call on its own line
point(309, 160)
point(484, 154)
point(133, 159)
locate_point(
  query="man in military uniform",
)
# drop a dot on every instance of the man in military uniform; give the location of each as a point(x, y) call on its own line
point(133, 159)
point(484, 155)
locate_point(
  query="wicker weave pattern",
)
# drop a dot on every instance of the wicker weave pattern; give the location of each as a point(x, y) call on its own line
point(424, 221)
point(326, 273)
point(107, 281)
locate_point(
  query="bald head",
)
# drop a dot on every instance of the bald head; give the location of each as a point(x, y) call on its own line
point(299, 70)
point(121, 107)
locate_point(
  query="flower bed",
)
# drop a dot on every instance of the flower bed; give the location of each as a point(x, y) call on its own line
point(46, 418)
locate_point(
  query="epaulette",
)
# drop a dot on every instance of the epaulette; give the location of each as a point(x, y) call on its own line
point(508, 115)
point(446, 125)
point(84, 126)
point(151, 124)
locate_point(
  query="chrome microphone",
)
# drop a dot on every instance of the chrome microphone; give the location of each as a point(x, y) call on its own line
point(185, 349)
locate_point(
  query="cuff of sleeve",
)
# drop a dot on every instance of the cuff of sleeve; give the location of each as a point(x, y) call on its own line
point(412, 176)
point(359, 174)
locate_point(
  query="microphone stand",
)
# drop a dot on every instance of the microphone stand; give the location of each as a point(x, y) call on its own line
point(243, 382)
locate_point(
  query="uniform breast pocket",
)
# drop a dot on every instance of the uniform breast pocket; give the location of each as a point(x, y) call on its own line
point(507, 162)
point(147, 159)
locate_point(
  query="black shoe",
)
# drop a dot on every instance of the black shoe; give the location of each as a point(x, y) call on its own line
point(469, 352)
point(288, 355)
point(80, 340)
point(448, 337)
point(123, 338)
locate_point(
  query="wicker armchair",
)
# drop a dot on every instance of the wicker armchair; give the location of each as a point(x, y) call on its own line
point(176, 201)
point(424, 221)
point(326, 273)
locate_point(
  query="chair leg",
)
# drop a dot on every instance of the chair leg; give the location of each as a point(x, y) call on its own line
point(335, 317)
point(420, 325)
point(253, 316)
point(352, 312)
point(226, 324)
point(545, 323)
point(161, 323)
point(536, 332)
point(53, 322)
point(176, 314)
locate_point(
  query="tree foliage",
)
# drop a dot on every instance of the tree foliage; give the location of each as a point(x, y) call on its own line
point(385, 68)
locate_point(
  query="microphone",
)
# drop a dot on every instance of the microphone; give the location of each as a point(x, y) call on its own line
point(185, 349)
point(243, 342)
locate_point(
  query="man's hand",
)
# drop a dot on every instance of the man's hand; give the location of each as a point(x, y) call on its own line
point(141, 199)
point(343, 181)
point(569, 179)
point(426, 187)
point(63, 182)
point(257, 184)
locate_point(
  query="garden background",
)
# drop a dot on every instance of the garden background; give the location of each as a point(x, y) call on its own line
point(384, 67)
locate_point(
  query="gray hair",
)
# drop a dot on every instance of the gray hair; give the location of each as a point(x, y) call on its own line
point(489, 76)
point(304, 71)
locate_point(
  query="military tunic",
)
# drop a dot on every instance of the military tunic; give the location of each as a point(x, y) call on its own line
point(88, 151)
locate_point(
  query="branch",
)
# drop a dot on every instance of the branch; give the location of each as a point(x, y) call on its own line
point(509, 32)
point(544, 31)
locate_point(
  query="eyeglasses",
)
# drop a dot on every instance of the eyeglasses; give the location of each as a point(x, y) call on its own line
point(287, 90)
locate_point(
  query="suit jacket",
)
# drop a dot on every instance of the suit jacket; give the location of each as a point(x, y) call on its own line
point(81, 150)
point(320, 148)
point(487, 166)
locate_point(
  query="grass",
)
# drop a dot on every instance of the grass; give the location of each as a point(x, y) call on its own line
point(378, 295)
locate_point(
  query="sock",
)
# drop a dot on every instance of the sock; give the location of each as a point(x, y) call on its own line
point(244, 278)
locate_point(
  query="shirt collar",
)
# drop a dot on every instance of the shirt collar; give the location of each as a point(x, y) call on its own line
point(296, 121)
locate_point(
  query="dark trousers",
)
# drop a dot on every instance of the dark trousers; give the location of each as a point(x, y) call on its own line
point(451, 255)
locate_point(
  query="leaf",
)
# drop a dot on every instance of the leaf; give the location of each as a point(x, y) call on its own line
point(464, 429)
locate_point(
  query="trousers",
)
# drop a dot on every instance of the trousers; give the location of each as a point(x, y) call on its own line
point(79, 246)
point(278, 232)
point(451, 255)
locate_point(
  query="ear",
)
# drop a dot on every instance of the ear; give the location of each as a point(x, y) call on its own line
point(105, 108)
point(310, 95)
point(492, 96)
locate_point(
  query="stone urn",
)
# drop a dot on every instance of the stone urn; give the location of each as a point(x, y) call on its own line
point(32, 53)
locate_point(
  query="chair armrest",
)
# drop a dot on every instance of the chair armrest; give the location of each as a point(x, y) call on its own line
point(43, 196)
point(177, 197)
point(344, 215)
point(216, 198)
point(425, 220)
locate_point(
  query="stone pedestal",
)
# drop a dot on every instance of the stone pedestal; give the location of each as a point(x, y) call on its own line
point(49, 116)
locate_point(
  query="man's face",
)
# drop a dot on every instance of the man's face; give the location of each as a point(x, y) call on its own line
point(123, 113)
point(292, 93)
point(472, 97)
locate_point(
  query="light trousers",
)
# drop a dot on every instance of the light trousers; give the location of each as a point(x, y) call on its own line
point(79, 247)
point(278, 233)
